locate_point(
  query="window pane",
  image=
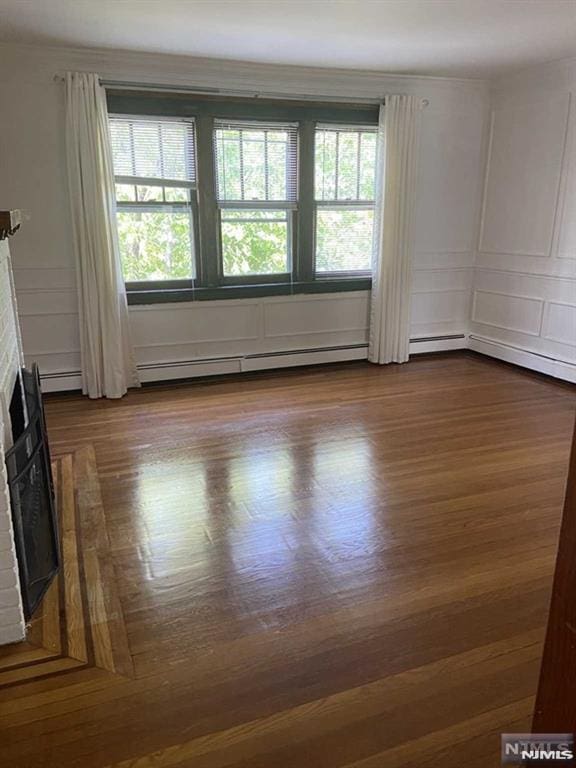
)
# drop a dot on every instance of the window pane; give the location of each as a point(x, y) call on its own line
point(345, 161)
point(148, 194)
point(155, 245)
point(255, 161)
point(176, 195)
point(254, 242)
point(347, 166)
point(367, 151)
point(343, 239)
point(325, 149)
point(125, 193)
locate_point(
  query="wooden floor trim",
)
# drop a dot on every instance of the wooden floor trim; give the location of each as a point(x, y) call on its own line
point(80, 623)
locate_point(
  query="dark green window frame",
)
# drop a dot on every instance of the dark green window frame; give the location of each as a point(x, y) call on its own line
point(209, 283)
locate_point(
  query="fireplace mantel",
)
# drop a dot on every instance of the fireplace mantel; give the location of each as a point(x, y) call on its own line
point(10, 222)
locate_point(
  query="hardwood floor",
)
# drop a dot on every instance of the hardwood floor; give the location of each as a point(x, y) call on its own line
point(339, 567)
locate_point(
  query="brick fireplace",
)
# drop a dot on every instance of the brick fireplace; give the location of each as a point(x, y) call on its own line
point(12, 627)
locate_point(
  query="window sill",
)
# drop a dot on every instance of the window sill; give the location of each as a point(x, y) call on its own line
point(169, 295)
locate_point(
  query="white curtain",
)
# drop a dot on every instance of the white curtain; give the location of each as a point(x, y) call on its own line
point(108, 366)
point(398, 132)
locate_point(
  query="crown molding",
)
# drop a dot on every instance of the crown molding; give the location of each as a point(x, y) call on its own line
point(175, 69)
point(536, 74)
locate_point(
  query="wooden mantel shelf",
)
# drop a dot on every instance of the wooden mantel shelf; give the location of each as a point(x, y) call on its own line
point(9, 223)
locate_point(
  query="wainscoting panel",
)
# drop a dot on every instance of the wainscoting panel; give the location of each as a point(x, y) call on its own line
point(54, 361)
point(298, 316)
point(545, 287)
point(525, 156)
point(567, 237)
point(524, 307)
point(433, 280)
point(194, 322)
point(49, 333)
point(513, 313)
point(44, 278)
point(440, 312)
point(49, 301)
point(449, 180)
point(446, 260)
point(560, 323)
point(541, 266)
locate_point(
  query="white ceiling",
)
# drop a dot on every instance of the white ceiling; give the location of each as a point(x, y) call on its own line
point(470, 38)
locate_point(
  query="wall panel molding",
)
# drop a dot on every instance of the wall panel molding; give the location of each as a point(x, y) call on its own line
point(517, 272)
point(534, 266)
point(443, 260)
point(565, 235)
point(523, 177)
point(561, 315)
point(302, 317)
point(527, 310)
point(527, 247)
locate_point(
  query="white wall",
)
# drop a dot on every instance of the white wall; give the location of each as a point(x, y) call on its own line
point(33, 177)
point(11, 615)
point(524, 299)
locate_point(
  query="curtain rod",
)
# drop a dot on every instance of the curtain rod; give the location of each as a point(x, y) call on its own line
point(246, 93)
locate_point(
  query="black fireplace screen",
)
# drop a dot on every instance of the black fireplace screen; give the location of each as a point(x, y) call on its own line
point(32, 492)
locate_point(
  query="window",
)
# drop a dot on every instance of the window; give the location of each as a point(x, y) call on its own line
point(155, 171)
point(241, 197)
point(344, 160)
point(256, 170)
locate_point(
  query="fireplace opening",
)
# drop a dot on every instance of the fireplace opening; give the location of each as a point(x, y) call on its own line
point(32, 492)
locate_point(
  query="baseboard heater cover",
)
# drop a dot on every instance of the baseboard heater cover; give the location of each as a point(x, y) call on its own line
point(313, 350)
point(421, 339)
point(420, 345)
point(534, 361)
point(59, 375)
point(214, 366)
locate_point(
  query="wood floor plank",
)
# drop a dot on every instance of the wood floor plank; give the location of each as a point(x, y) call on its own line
point(98, 614)
point(51, 629)
point(27, 655)
point(493, 721)
point(405, 689)
point(50, 668)
point(76, 635)
point(105, 610)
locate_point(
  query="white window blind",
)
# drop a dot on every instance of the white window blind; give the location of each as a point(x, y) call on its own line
point(162, 150)
point(256, 162)
point(345, 165)
point(155, 169)
point(345, 158)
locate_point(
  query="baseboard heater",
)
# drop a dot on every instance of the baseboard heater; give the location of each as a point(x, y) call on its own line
point(257, 361)
point(421, 339)
point(526, 358)
point(60, 375)
point(421, 345)
point(311, 351)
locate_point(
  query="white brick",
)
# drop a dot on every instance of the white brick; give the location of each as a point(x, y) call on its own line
point(9, 599)
point(13, 633)
point(7, 542)
point(11, 617)
point(8, 578)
